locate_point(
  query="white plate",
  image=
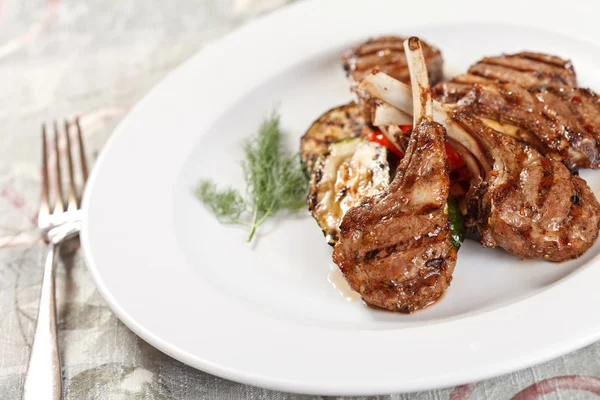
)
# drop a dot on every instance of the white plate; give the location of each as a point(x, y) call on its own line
point(265, 314)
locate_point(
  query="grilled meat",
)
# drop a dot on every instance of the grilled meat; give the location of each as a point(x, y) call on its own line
point(528, 204)
point(386, 54)
point(393, 93)
point(395, 247)
point(531, 96)
point(545, 118)
point(527, 69)
point(579, 106)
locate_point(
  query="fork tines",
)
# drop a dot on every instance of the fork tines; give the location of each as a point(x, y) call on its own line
point(56, 151)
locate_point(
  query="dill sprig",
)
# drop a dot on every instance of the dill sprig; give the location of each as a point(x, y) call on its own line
point(275, 181)
point(226, 204)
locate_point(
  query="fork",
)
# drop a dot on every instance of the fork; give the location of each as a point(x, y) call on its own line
point(58, 221)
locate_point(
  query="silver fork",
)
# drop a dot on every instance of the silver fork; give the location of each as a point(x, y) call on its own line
point(58, 221)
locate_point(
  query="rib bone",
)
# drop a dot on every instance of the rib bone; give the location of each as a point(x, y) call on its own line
point(421, 91)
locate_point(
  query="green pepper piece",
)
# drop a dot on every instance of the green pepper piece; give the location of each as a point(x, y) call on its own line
point(457, 226)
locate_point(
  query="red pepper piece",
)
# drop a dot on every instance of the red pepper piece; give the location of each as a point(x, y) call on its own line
point(454, 159)
point(378, 137)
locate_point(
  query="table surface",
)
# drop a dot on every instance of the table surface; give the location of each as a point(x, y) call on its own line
point(96, 59)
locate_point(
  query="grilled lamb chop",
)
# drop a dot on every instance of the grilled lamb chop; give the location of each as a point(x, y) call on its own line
point(561, 122)
point(395, 248)
point(528, 204)
point(386, 54)
point(527, 69)
point(531, 206)
point(531, 96)
point(545, 118)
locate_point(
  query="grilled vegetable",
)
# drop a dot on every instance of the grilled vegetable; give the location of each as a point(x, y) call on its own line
point(336, 124)
point(457, 226)
point(381, 138)
point(350, 170)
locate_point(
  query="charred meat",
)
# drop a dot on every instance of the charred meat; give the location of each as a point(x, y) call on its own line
point(532, 97)
point(562, 123)
point(395, 248)
point(527, 69)
point(529, 205)
point(385, 54)
point(520, 200)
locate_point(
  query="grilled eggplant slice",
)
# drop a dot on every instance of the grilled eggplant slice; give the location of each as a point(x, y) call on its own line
point(339, 123)
point(347, 172)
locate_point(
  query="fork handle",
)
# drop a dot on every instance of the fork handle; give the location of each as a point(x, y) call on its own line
point(43, 379)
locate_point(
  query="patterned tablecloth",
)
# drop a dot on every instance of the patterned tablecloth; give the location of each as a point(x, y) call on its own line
point(96, 58)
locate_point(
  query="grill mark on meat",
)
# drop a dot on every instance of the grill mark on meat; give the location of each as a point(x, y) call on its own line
point(556, 131)
point(381, 253)
point(534, 208)
point(583, 104)
point(394, 248)
point(437, 263)
point(565, 115)
point(410, 180)
point(504, 74)
point(575, 199)
point(385, 54)
point(481, 74)
point(518, 200)
point(537, 70)
point(549, 59)
point(371, 254)
point(422, 210)
point(535, 67)
point(525, 233)
point(564, 120)
point(545, 183)
point(527, 69)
